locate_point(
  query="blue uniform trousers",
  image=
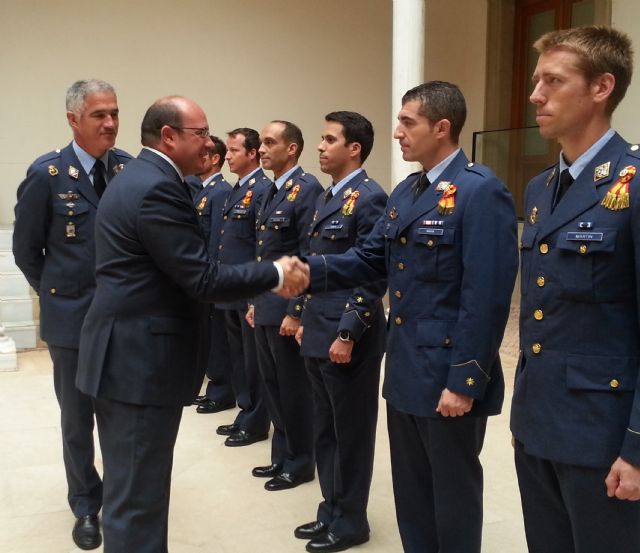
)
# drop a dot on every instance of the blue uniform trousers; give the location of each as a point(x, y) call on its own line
point(566, 509)
point(437, 481)
point(76, 417)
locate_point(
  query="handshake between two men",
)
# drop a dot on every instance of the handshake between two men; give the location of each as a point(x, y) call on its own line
point(296, 276)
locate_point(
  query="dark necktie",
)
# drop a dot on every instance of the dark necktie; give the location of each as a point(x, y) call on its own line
point(420, 186)
point(99, 182)
point(272, 192)
point(328, 195)
point(564, 182)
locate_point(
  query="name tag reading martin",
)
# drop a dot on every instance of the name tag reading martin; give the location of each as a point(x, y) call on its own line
point(585, 236)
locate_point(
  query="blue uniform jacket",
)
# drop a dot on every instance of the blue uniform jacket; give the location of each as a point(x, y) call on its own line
point(139, 340)
point(338, 224)
point(451, 276)
point(577, 392)
point(53, 240)
point(238, 232)
point(282, 229)
point(209, 203)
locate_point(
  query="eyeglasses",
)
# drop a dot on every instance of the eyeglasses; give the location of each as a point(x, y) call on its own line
point(202, 132)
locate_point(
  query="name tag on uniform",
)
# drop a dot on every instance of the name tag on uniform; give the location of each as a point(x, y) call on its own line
point(277, 220)
point(431, 231)
point(585, 236)
point(239, 212)
point(333, 226)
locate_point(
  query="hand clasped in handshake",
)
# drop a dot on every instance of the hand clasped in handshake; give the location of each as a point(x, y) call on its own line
point(296, 276)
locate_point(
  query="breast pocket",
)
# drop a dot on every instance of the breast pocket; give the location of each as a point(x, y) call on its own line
point(72, 222)
point(587, 271)
point(528, 239)
point(435, 257)
point(279, 223)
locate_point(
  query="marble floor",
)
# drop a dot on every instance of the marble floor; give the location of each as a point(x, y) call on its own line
point(216, 505)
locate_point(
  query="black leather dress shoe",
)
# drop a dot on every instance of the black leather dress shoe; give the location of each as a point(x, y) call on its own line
point(86, 532)
point(311, 530)
point(330, 542)
point(266, 472)
point(200, 400)
point(242, 437)
point(211, 406)
point(286, 481)
point(227, 429)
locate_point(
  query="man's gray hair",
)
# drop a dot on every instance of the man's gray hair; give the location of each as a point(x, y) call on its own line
point(78, 92)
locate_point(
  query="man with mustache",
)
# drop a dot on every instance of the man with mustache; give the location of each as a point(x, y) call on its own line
point(53, 244)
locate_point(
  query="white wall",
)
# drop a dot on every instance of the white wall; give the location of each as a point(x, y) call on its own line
point(625, 15)
point(245, 61)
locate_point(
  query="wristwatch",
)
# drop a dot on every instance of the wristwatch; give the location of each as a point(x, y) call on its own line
point(345, 336)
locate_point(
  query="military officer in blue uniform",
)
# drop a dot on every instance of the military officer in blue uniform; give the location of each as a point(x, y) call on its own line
point(282, 227)
point(447, 242)
point(54, 247)
point(209, 200)
point(238, 245)
point(342, 339)
point(576, 407)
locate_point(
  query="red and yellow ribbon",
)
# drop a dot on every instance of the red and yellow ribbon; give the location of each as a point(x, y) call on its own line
point(618, 195)
point(447, 203)
point(350, 204)
point(294, 193)
point(246, 201)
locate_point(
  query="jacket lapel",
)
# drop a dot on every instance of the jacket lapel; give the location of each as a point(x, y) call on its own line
point(74, 171)
point(326, 210)
point(583, 194)
point(431, 196)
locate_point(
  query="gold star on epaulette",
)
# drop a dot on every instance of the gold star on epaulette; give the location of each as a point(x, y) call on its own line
point(470, 381)
point(359, 299)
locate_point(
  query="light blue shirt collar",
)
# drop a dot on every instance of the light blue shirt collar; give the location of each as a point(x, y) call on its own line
point(210, 178)
point(434, 173)
point(335, 189)
point(247, 177)
point(167, 159)
point(283, 178)
point(579, 164)
point(88, 161)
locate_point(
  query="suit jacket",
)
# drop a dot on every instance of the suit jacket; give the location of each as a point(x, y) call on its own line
point(238, 232)
point(209, 202)
point(577, 393)
point(344, 221)
point(53, 240)
point(282, 228)
point(450, 281)
point(139, 339)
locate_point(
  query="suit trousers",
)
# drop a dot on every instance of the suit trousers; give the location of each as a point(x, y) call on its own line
point(437, 481)
point(76, 418)
point(566, 509)
point(219, 369)
point(247, 382)
point(137, 444)
point(289, 402)
point(345, 402)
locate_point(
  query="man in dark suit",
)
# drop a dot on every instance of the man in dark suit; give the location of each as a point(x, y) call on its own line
point(53, 246)
point(282, 229)
point(447, 242)
point(208, 201)
point(575, 413)
point(138, 343)
point(343, 346)
point(238, 245)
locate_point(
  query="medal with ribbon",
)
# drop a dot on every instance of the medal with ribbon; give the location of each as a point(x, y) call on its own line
point(246, 201)
point(447, 203)
point(618, 195)
point(350, 204)
point(294, 193)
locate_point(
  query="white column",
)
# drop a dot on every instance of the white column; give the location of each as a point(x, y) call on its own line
point(407, 69)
